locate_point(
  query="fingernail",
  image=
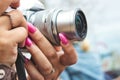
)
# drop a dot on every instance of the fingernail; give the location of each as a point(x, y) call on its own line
point(31, 28)
point(63, 39)
point(28, 42)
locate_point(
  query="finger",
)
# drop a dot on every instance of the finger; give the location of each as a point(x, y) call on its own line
point(22, 44)
point(4, 5)
point(5, 22)
point(39, 58)
point(15, 4)
point(17, 19)
point(69, 57)
point(17, 34)
point(32, 71)
point(43, 44)
point(28, 77)
point(58, 48)
point(12, 19)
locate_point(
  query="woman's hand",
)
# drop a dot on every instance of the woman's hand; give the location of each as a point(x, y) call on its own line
point(10, 38)
point(47, 63)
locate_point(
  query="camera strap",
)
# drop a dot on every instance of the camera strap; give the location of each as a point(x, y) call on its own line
point(20, 66)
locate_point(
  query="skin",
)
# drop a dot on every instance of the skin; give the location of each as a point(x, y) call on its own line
point(44, 60)
point(9, 39)
point(54, 59)
point(11, 3)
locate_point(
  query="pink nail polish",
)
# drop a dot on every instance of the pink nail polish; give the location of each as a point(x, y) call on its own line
point(31, 28)
point(63, 39)
point(28, 42)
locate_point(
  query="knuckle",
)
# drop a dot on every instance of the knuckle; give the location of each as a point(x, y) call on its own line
point(39, 37)
point(35, 51)
point(47, 70)
point(72, 55)
point(16, 17)
point(73, 61)
point(18, 12)
point(24, 30)
point(52, 55)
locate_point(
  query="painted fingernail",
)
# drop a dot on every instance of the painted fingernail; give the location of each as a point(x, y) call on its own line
point(63, 39)
point(28, 42)
point(31, 28)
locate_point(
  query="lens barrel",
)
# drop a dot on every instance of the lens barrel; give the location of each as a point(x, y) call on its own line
point(71, 23)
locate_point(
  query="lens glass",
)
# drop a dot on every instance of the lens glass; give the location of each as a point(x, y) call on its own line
point(81, 25)
point(78, 23)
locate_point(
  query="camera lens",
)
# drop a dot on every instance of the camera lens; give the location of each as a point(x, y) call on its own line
point(72, 23)
point(81, 24)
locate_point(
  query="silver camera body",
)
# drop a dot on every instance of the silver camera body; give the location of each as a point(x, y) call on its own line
point(71, 23)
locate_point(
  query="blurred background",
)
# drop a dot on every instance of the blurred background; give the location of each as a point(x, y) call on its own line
point(103, 18)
